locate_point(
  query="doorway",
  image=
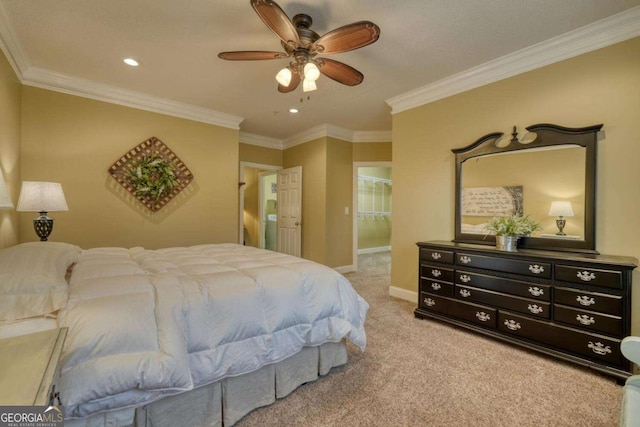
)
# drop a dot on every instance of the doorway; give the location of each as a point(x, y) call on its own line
point(372, 201)
point(268, 209)
point(257, 202)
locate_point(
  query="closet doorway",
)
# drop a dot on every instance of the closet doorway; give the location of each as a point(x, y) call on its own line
point(372, 206)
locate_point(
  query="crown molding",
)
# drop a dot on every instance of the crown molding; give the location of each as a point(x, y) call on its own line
point(608, 31)
point(261, 141)
point(58, 82)
point(331, 131)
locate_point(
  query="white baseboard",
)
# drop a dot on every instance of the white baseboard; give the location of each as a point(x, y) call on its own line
point(346, 269)
point(403, 294)
point(374, 250)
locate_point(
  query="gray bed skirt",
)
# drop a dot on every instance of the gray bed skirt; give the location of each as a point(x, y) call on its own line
point(225, 402)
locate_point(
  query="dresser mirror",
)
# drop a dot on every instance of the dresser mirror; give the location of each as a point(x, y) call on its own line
point(548, 173)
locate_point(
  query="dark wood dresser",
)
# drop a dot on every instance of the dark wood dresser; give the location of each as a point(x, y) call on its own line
point(573, 306)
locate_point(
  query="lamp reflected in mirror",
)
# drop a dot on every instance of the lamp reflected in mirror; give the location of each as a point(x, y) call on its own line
point(561, 209)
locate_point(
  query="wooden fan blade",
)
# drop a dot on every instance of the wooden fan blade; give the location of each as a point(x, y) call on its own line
point(277, 21)
point(342, 73)
point(295, 81)
point(349, 37)
point(251, 55)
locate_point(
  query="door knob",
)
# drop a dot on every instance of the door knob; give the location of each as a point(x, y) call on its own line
point(297, 223)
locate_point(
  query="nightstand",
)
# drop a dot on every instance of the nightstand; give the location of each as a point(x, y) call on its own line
point(29, 367)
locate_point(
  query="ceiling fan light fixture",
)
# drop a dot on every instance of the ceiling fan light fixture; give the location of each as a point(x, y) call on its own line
point(284, 77)
point(309, 85)
point(311, 71)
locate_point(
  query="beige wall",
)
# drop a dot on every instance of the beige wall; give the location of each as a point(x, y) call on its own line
point(599, 87)
point(74, 140)
point(339, 230)
point(372, 151)
point(312, 156)
point(261, 155)
point(10, 93)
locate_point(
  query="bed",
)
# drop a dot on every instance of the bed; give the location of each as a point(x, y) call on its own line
point(196, 335)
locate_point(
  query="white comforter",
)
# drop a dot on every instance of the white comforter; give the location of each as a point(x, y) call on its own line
point(144, 324)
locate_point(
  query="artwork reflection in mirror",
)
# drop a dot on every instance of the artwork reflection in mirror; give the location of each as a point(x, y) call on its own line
point(527, 182)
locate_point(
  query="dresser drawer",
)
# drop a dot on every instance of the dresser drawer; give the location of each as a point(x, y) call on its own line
point(595, 347)
point(533, 308)
point(436, 287)
point(436, 272)
point(436, 255)
point(589, 276)
point(592, 301)
point(506, 265)
point(588, 320)
point(498, 284)
point(473, 313)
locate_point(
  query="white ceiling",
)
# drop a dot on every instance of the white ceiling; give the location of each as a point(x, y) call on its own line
point(177, 42)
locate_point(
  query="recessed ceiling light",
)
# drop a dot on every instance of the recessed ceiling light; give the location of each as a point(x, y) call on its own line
point(293, 110)
point(131, 61)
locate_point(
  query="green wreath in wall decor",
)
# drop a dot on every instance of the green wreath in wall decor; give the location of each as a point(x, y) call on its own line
point(153, 177)
point(151, 173)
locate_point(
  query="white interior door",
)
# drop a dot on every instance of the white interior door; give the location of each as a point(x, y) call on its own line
point(290, 211)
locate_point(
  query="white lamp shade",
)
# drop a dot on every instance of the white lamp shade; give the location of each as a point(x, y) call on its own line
point(5, 200)
point(561, 208)
point(308, 85)
point(284, 77)
point(311, 71)
point(38, 196)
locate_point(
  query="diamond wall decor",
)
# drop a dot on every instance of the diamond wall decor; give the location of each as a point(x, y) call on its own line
point(152, 173)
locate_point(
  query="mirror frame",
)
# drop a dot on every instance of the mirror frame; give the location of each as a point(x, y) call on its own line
point(547, 135)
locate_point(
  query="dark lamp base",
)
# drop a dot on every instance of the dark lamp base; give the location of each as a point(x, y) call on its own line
point(43, 226)
point(560, 222)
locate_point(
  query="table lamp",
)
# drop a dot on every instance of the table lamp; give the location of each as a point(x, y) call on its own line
point(43, 197)
point(561, 209)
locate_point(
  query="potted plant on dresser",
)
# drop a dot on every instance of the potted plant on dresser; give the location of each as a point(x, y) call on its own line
point(508, 229)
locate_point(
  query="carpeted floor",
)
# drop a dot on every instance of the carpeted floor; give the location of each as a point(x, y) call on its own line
point(422, 372)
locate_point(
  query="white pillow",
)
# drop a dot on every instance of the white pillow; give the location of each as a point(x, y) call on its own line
point(32, 278)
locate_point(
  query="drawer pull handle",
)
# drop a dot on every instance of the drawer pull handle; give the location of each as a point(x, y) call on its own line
point(599, 348)
point(436, 273)
point(465, 259)
point(435, 286)
point(465, 293)
point(512, 324)
point(436, 255)
point(535, 309)
point(429, 302)
point(536, 291)
point(465, 278)
point(586, 276)
point(585, 320)
point(585, 300)
point(536, 269)
point(482, 316)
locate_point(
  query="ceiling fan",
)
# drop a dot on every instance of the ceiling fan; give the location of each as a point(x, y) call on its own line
point(304, 45)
